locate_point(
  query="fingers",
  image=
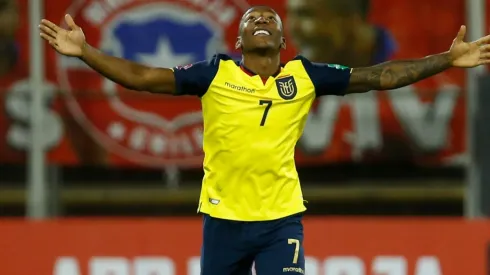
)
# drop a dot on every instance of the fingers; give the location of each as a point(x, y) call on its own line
point(485, 55)
point(47, 31)
point(461, 33)
point(47, 37)
point(51, 40)
point(484, 48)
point(483, 41)
point(70, 22)
point(484, 61)
point(50, 25)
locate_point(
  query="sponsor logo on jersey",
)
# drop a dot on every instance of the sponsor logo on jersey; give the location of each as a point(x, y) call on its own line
point(239, 88)
point(293, 269)
point(143, 128)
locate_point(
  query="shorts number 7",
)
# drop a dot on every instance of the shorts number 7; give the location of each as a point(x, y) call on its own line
point(296, 249)
point(266, 111)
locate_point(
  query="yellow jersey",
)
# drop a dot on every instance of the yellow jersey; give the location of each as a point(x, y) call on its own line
point(251, 127)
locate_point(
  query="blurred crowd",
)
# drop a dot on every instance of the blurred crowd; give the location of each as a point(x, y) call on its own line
point(9, 24)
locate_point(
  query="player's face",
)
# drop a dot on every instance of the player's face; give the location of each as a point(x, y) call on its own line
point(261, 28)
point(316, 31)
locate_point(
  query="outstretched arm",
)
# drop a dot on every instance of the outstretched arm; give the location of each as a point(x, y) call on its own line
point(129, 74)
point(396, 74)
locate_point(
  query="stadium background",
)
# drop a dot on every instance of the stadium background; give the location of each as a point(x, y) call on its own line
point(123, 169)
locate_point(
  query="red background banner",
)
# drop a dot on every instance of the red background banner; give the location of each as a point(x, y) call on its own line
point(423, 124)
point(171, 246)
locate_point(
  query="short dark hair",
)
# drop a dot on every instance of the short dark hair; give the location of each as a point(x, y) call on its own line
point(251, 8)
point(258, 7)
point(349, 7)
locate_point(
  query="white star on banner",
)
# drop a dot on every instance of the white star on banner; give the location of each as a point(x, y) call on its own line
point(164, 56)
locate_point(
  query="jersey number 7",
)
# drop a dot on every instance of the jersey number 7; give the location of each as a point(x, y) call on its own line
point(266, 111)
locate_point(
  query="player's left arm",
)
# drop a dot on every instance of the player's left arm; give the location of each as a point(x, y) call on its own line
point(399, 73)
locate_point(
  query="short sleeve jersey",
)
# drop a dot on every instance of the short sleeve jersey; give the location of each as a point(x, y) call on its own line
point(251, 128)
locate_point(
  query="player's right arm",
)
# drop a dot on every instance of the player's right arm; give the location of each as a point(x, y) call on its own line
point(129, 74)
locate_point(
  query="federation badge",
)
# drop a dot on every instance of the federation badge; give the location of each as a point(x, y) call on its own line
point(136, 127)
point(286, 87)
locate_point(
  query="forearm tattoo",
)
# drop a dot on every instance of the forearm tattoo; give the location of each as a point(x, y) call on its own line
point(396, 74)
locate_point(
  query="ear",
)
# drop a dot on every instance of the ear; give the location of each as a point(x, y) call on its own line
point(238, 43)
point(283, 43)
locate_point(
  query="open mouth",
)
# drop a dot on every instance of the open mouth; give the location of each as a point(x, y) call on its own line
point(261, 32)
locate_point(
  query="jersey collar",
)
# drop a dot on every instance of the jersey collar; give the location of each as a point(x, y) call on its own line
point(251, 73)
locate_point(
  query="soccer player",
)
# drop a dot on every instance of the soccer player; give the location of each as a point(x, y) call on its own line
point(254, 111)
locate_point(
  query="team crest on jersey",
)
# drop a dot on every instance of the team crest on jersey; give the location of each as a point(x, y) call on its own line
point(148, 129)
point(286, 87)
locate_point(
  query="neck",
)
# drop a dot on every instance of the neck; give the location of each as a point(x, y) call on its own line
point(263, 65)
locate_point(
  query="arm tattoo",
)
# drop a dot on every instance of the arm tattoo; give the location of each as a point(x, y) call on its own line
point(396, 74)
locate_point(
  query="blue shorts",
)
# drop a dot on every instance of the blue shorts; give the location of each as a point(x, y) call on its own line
point(231, 247)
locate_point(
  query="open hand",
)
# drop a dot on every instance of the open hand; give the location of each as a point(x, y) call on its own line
point(469, 54)
point(67, 42)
